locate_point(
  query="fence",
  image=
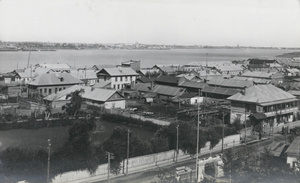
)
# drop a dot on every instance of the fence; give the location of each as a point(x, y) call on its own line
point(143, 162)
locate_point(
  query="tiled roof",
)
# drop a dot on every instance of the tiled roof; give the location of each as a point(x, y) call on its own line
point(54, 79)
point(191, 84)
point(233, 83)
point(168, 90)
point(262, 94)
point(96, 94)
point(118, 72)
point(294, 148)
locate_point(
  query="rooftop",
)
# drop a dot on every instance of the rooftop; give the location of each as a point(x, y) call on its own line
point(54, 79)
point(233, 83)
point(168, 90)
point(294, 148)
point(118, 72)
point(263, 94)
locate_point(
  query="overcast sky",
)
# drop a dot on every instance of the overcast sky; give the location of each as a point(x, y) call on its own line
point(189, 22)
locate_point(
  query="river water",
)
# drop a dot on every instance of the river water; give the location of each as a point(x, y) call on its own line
point(81, 58)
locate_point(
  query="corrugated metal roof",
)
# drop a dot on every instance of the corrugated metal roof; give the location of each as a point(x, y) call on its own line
point(191, 84)
point(262, 94)
point(119, 72)
point(257, 74)
point(54, 79)
point(144, 87)
point(84, 74)
point(294, 148)
point(168, 90)
point(167, 79)
point(219, 90)
point(96, 94)
point(234, 83)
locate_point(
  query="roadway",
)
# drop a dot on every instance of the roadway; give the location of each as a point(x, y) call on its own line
point(152, 174)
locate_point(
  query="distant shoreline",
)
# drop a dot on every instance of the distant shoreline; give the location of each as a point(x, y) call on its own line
point(290, 55)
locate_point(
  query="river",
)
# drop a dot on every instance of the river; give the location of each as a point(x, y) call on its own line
point(81, 58)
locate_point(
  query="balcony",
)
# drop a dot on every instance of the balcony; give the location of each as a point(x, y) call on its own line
point(282, 111)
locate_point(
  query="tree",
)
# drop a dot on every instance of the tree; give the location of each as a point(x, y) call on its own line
point(117, 144)
point(75, 103)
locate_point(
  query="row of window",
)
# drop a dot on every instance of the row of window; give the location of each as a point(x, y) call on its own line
point(50, 90)
point(125, 78)
point(277, 107)
point(118, 86)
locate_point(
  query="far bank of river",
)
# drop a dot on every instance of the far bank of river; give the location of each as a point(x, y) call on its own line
point(38, 138)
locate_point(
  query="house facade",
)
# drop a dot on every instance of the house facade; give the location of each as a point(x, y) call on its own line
point(267, 104)
point(118, 77)
point(47, 84)
point(103, 98)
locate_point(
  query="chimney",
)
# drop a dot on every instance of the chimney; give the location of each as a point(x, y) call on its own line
point(243, 91)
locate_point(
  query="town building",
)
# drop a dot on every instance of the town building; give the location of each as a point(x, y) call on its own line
point(293, 154)
point(135, 65)
point(89, 77)
point(57, 67)
point(267, 104)
point(47, 84)
point(118, 77)
point(103, 98)
point(168, 80)
point(100, 67)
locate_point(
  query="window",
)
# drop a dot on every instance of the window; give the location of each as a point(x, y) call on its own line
point(41, 91)
point(118, 86)
point(55, 90)
point(114, 86)
point(121, 78)
point(116, 78)
point(45, 90)
point(59, 89)
point(50, 91)
point(126, 78)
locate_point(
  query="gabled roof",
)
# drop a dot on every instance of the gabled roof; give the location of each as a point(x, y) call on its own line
point(220, 91)
point(257, 74)
point(146, 79)
point(230, 67)
point(293, 149)
point(167, 79)
point(96, 94)
point(168, 90)
point(263, 95)
point(191, 84)
point(118, 72)
point(84, 74)
point(232, 83)
point(142, 87)
point(54, 79)
point(99, 67)
point(102, 84)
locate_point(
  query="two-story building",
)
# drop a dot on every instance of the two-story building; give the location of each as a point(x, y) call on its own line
point(267, 104)
point(118, 77)
point(47, 84)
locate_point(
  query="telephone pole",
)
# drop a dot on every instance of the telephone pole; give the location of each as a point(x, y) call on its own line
point(177, 143)
point(127, 151)
point(48, 168)
point(109, 157)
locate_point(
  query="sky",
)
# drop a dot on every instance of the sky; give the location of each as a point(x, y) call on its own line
point(273, 23)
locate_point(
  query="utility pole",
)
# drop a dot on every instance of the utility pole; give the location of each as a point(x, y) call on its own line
point(177, 144)
point(223, 133)
point(48, 168)
point(245, 124)
point(109, 157)
point(197, 150)
point(127, 151)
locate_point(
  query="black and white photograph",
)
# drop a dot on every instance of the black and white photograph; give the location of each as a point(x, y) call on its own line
point(149, 91)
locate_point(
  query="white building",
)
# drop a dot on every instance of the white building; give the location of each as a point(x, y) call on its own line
point(118, 77)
